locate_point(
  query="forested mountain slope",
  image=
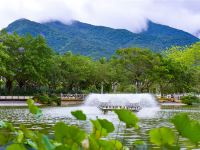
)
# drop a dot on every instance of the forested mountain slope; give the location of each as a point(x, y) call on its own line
point(97, 41)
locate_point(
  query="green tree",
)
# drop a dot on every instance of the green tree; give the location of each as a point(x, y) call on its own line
point(76, 71)
point(36, 60)
point(189, 59)
point(54, 74)
point(139, 65)
point(173, 77)
point(12, 48)
point(29, 59)
point(4, 57)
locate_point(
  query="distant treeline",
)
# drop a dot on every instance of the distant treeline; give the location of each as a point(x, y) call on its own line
point(29, 66)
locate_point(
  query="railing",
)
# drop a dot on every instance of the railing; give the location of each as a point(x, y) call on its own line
point(110, 107)
point(176, 96)
point(14, 98)
point(73, 96)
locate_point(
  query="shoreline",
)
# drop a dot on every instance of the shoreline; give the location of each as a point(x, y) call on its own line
point(15, 103)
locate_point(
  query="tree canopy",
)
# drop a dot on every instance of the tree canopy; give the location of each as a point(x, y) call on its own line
point(29, 66)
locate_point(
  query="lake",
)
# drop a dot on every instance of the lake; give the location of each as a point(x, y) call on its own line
point(51, 115)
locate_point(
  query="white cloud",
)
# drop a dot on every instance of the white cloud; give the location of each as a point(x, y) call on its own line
point(129, 14)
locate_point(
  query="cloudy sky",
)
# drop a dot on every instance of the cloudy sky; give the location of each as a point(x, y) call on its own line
point(129, 14)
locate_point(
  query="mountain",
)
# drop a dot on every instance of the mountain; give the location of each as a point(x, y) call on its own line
point(98, 41)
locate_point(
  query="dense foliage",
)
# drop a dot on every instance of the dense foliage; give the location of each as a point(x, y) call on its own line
point(190, 99)
point(47, 99)
point(98, 41)
point(29, 66)
point(72, 137)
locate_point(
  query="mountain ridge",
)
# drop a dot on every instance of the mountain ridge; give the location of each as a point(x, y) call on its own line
point(98, 41)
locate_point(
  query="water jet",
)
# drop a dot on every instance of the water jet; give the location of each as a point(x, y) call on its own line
point(145, 103)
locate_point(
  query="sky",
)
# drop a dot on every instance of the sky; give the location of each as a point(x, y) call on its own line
point(127, 14)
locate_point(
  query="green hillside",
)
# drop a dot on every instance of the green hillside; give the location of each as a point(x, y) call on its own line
point(97, 41)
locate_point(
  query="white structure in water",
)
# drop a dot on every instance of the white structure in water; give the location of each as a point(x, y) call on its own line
point(146, 101)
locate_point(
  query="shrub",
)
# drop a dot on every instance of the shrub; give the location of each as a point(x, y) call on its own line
point(42, 98)
point(54, 98)
point(47, 99)
point(189, 99)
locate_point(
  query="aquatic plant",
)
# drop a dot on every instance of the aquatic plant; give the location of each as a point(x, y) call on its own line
point(72, 137)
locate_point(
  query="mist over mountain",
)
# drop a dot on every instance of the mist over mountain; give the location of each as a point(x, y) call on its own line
point(98, 41)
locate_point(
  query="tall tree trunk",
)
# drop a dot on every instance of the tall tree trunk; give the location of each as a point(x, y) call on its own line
point(161, 91)
point(114, 87)
point(102, 87)
point(9, 86)
point(138, 86)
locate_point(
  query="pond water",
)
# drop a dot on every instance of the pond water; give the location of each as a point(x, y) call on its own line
point(51, 115)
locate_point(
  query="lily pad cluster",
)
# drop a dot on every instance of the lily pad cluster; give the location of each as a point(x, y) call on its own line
point(66, 137)
point(72, 137)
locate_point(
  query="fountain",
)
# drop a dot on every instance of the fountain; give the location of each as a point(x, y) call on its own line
point(146, 101)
